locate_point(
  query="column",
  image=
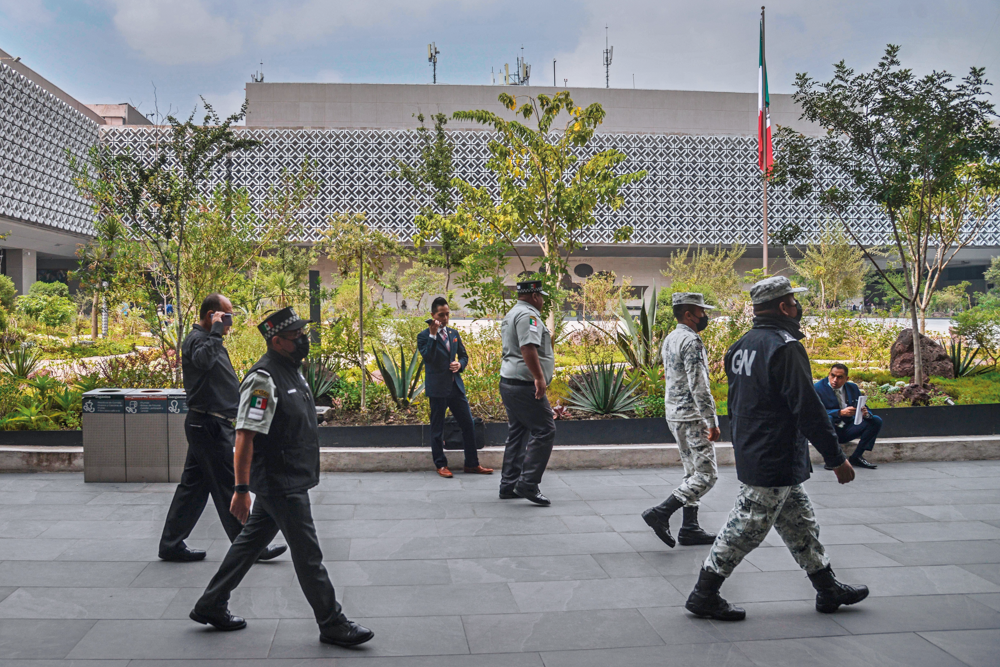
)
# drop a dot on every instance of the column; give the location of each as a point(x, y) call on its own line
point(22, 268)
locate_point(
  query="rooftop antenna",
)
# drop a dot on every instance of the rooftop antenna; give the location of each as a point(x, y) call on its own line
point(554, 73)
point(565, 82)
point(432, 58)
point(493, 77)
point(258, 76)
point(609, 52)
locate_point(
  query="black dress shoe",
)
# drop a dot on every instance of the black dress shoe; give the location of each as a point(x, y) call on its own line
point(347, 633)
point(220, 620)
point(184, 555)
point(860, 462)
point(272, 552)
point(508, 495)
point(534, 496)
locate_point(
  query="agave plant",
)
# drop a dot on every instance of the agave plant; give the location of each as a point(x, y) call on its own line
point(403, 381)
point(319, 376)
point(21, 361)
point(965, 364)
point(44, 385)
point(604, 389)
point(68, 401)
point(636, 338)
point(31, 416)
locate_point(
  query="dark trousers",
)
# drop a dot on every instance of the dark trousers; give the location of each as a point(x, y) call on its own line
point(531, 430)
point(459, 406)
point(292, 515)
point(867, 431)
point(208, 471)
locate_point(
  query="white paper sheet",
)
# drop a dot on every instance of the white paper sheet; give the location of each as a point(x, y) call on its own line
point(859, 415)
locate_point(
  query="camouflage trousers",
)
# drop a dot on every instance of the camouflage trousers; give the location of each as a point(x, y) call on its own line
point(788, 509)
point(698, 456)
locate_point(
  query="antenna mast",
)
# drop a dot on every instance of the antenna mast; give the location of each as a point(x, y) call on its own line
point(432, 58)
point(258, 77)
point(609, 52)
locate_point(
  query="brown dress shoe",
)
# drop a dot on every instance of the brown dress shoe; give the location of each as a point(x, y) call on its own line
point(479, 470)
point(444, 472)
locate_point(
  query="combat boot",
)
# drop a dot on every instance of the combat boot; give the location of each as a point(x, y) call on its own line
point(691, 533)
point(706, 602)
point(830, 593)
point(658, 518)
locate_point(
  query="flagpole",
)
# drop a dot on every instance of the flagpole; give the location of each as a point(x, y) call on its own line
point(764, 59)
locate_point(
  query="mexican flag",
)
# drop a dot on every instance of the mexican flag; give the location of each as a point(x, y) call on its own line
point(764, 156)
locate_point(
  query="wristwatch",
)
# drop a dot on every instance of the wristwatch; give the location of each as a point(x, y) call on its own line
point(242, 488)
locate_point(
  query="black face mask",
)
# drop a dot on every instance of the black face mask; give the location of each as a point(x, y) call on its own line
point(702, 323)
point(301, 350)
point(798, 316)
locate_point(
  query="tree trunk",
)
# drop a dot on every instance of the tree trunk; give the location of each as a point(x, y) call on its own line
point(361, 321)
point(93, 319)
point(918, 366)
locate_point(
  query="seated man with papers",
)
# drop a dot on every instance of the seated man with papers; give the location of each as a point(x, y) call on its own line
point(842, 400)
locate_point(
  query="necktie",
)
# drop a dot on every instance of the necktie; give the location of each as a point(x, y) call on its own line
point(444, 337)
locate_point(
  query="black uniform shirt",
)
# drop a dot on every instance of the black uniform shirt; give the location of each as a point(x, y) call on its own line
point(276, 403)
point(209, 379)
point(773, 407)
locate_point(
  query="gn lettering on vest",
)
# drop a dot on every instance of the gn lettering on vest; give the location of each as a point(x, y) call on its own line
point(743, 361)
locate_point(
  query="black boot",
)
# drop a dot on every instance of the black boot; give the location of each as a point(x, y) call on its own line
point(706, 602)
point(691, 533)
point(830, 593)
point(658, 518)
point(347, 633)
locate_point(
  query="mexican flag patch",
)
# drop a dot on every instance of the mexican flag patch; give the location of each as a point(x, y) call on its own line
point(258, 402)
point(532, 323)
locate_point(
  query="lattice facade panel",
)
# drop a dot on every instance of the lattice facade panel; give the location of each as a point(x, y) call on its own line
point(699, 189)
point(36, 129)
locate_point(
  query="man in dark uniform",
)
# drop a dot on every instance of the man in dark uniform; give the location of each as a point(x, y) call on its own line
point(277, 457)
point(525, 372)
point(213, 392)
point(772, 405)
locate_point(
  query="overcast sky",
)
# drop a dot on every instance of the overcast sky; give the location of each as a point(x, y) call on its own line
point(115, 50)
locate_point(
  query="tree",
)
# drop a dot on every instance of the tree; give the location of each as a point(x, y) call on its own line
point(357, 248)
point(431, 179)
point(156, 198)
point(420, 280)
point(545, 192)
point(901, 143)
point(714, 269)
point(833, 265)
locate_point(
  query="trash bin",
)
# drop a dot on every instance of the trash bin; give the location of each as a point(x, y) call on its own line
point(177, 444)
point(104, 435)
point(146, 436)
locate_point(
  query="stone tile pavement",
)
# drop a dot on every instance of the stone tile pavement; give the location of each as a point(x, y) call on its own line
point(448, 575)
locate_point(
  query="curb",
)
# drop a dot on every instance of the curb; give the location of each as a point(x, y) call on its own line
point(584, 457)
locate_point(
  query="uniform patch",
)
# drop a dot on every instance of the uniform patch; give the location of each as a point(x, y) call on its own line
point(532, 323)
point(256, 414)
point(258, 400)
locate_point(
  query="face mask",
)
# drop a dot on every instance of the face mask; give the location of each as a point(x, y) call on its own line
point(798, 316)
point(702, 323)
point(301, 350)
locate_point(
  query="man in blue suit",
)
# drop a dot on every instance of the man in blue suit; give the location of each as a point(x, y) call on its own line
point(444, 360)
point(840, 398)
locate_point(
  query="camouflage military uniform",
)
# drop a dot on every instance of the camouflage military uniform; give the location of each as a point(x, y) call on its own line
point(690, 411)
point(757, 508)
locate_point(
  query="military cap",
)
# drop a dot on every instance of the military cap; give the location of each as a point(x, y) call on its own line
point(531, 287)
point(691, 299)
point(771, 288)
point(281, 321)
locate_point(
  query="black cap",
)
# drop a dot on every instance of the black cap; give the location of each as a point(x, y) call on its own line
point(280, 321)
point(531, 287)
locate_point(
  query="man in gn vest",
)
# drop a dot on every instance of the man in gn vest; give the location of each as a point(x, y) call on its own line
point(444, 361)
point(773, 409)
point(277, 457)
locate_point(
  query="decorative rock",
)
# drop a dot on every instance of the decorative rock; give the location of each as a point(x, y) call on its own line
point(935, 359)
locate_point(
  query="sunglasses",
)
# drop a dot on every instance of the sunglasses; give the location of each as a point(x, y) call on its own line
point(304, 331)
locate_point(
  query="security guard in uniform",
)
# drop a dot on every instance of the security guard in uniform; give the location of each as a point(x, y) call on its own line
point(277, 452)
point(525, 372)
point(690, 412)
point(773, 409)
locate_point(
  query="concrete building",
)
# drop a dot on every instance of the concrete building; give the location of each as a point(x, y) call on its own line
point(698, 149)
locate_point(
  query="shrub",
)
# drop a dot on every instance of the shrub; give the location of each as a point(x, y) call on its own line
point(602, 389)
point(49, 289)
point(140, 369)
point(7, 292)
point(52, 311)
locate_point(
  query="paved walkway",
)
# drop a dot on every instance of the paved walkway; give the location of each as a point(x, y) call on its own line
point(447, 575)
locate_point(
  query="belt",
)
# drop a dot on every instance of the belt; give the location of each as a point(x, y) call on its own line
point(517, 383)
point(211, 414)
